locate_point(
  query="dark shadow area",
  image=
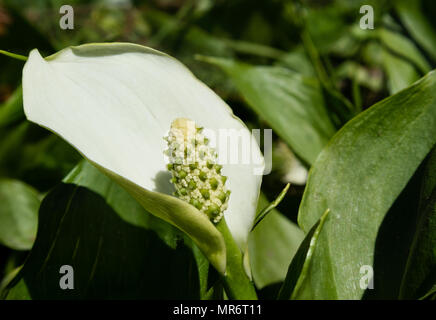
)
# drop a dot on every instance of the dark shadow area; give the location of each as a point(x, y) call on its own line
point(111, 259)
point(269, 292)
point(163, 183)
point(393, 242)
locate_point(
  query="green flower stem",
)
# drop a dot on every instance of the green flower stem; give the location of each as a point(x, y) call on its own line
point(13, 55)
point(236, 282)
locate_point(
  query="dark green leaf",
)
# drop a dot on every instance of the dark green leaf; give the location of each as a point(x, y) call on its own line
point(420, 273)
point(31, 154)
point(412, 15)
point(431, 295)
point(271, 246)
point(301, 263)
point(12, 110)
point(394, 238)
point(114, 246)
point(86, 175)
point(262, 214)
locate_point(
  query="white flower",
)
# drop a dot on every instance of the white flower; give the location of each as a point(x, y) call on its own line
point(114, 103)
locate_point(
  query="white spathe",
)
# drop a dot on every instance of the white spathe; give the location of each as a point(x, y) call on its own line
point(115, 102)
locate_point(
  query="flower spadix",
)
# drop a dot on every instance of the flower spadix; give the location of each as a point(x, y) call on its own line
point(195, 173)
point(114, 103)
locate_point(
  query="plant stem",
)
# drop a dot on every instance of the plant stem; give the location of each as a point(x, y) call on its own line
point(236, 282)
point(13, 55)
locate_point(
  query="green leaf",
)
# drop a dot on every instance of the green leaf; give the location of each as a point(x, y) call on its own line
point(271, 246)
point(400, 72)
point(394, 238)
point(31, 154)
point(431, 295)
point(326, 26)
point(404, 47)
point(254, 48)
point(301, 262)
point(8, 278)
point(12, 109)
point(204, 269)
point(412, 16)
point(420, 273)
point(114, 246)
point(291, 103)
point(298, 61)
point(19, 205)
point(86, 175)
point(12, 140)
point(358, 176)
point(262, 214)
point(360, 74)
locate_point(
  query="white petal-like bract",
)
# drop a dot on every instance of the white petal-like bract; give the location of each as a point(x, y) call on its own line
point(115, 102)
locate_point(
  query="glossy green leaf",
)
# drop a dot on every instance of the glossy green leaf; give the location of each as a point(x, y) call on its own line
point(129, 210)
point(393, 242)
point(298, 270)
point(19, 205)
point(116, 248)
point(86, 175)
point(420, 273)
point(271, 245)
point(358, 176)
point(292, 104)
